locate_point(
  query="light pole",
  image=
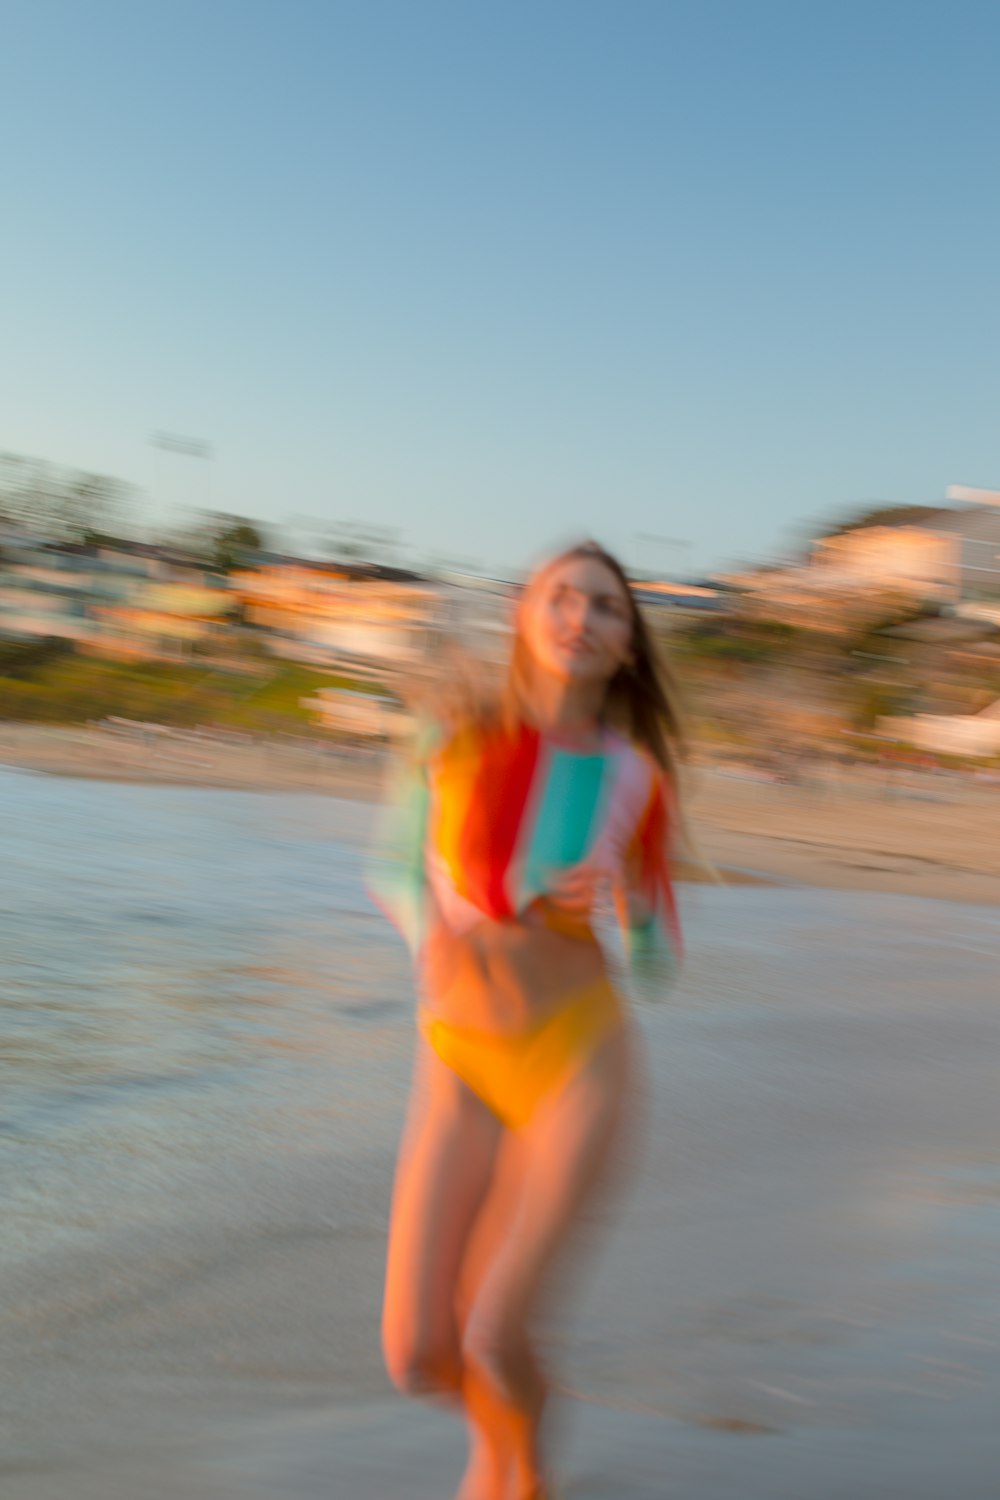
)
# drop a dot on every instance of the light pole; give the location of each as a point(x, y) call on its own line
point(188, 447)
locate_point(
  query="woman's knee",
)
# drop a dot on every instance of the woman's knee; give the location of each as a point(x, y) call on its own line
point(500, 1354)
point(422, 1367)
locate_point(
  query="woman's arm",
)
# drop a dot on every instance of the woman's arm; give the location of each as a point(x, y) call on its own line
point(647, 912)
point(395, 874)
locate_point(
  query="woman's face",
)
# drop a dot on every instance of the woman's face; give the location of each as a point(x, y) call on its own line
point(576, 621)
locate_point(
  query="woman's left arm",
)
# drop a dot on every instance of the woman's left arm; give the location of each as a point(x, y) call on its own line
point(647, 910)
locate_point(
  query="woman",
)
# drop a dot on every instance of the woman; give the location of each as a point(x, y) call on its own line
point(511, 824)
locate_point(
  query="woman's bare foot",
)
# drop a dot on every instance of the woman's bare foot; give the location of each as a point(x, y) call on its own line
point(538, 1489)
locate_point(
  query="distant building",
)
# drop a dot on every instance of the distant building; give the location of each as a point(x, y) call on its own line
point(814, 597)
point(328, 612)
point(950, 555)
point(354, 715)
point(977, 735)
point(910, 559)
point(696, 598)
point(973, 533)
point(130, 600)
point(44, 592)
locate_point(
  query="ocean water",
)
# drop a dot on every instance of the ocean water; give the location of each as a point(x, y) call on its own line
point(205, 1042)
point(184, 976)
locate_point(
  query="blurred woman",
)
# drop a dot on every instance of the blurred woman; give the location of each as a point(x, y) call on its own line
point(509, 824)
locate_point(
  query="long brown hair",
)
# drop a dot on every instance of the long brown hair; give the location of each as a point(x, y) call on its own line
point(642, 699)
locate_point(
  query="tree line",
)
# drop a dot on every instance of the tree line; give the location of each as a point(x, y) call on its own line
point(77, 507)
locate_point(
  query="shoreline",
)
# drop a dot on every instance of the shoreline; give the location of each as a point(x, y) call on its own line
point(858, 829)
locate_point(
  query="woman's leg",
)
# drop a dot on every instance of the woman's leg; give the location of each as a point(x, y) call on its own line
point(553, 1168)
point(444, 1172)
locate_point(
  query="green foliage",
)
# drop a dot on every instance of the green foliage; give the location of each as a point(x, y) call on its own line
point(747, 641)
point(873, 637)
point(233, 544)
point(278, 697)
point(219, 542)
point(73, 689)
point(24, 659)
point(870, 701)
point(64, 505)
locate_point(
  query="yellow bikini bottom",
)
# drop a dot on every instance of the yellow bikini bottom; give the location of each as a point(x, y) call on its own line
point(512, 1072)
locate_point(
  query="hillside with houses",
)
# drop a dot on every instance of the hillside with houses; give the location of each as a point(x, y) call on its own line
point(883, 636)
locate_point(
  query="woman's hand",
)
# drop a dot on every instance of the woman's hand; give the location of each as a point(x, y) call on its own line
point(577, 890)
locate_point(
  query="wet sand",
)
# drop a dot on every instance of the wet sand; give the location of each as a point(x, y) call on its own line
point(915, 834)
point(166, 759)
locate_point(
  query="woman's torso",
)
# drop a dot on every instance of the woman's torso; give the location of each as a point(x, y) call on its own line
point(506, 975)
point(510, 811)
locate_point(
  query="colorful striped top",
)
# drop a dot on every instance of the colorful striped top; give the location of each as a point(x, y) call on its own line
point(478, 825)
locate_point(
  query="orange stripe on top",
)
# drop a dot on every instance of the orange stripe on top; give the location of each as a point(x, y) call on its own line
point(652, 834)
point(454, 774)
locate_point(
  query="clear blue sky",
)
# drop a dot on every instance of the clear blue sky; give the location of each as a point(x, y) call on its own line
point(495, 272)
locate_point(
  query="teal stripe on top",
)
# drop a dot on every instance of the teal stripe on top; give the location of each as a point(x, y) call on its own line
point(567, 815)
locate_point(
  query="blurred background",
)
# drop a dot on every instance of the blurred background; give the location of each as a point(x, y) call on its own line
point(879, 642)
point(322, 322)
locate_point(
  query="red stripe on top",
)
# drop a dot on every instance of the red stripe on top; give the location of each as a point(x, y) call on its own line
point(496, 808)
point(652, 839)
point(667, 882)
point(654, 835)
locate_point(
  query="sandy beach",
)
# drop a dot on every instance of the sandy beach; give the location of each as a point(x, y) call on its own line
point(860, 829)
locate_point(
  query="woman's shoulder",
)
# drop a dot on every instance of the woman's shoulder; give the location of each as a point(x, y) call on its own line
point(642, 783)
point(635, 756)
